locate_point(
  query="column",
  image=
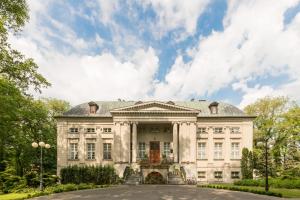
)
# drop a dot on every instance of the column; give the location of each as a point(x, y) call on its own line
point(175, 142)
point(125, 141)
point(193, 141)
point(134, 142)
point(117, 143)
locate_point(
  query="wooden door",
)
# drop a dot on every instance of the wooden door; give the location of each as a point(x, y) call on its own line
point(154, 152)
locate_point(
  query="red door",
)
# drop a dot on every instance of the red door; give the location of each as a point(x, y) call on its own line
point(154, 152)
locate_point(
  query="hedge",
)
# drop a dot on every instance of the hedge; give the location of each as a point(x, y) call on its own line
point(99, 175)
point(276, 183)
point(236, 188)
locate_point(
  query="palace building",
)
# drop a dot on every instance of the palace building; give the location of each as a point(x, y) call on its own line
point(182, 141)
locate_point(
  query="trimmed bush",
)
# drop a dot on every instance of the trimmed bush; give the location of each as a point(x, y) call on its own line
point(98, 175)
point(276, 183)
point(236, 188)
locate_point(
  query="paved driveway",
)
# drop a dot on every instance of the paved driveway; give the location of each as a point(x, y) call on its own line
point(149, 192)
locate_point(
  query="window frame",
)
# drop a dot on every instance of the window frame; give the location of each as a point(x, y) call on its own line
point(202, 130)
point(106, 128)
point(167, 149)
point(142, 151)
point(201, 151)
point(218, 151)
point(235, 130)
point(73, 151)
point(87, 130)
point(107, 151)
point(201, 176)
point(234, 176)
point(235, 151)
point(220, 176)
point(218, 132)
point(71, 130)
point(90, 153)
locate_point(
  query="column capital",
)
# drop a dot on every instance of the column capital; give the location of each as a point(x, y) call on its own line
point(173, 123)
point(134, 122)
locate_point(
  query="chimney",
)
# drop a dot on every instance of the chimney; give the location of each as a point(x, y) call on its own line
point(93, 107)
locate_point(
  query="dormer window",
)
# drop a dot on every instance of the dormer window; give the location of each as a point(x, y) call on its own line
point(93, 107)
point(213, 107)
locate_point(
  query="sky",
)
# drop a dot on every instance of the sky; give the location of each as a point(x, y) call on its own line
point(233, 51)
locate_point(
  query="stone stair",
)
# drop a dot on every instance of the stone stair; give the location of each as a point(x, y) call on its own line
point(133, 179)
point(175, 179)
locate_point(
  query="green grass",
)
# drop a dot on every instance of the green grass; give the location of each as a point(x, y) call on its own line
point(287, 193)
point(14, 196)
point(31, 192)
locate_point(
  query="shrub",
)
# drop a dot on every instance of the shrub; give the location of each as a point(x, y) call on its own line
point(276, 183)
point(88, 174)
point(236, 188)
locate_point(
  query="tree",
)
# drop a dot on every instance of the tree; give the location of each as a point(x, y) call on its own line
point(247, 164)
point(13, 65)
point(277, 122)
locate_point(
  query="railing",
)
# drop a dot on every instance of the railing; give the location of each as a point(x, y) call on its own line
point(166, 161)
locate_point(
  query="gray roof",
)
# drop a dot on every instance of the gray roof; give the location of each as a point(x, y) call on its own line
point(224, 109)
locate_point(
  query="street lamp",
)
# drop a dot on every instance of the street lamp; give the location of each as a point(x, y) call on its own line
point(42, 145)
point(266, 144)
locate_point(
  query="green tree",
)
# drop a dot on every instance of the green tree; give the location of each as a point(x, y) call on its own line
point(277, 121)
point(247, 164)
point(13, 65)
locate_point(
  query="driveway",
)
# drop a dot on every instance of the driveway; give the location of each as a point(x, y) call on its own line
point(149, 192)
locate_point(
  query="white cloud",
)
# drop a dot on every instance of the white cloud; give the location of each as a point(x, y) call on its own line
point(176, 14)
point(255, 42)
point(77, 76)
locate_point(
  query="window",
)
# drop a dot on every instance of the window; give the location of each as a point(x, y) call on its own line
point(235, 130)
point(73, 130)
point(218, 130)
point(218, 175)
point(73, 151)
point(201, 174)
point(106, 151)
point(218, 151)
point(106, 130)
point(235, 175)
point(201, 150)
point(90, 130)
point(142, 150)
point(167, 149)
point(235, 150)
point(91, 151)
point(201, 130)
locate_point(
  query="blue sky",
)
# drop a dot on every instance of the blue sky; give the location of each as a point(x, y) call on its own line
point(232, 51)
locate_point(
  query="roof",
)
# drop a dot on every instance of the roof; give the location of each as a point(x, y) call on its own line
point(224, 109)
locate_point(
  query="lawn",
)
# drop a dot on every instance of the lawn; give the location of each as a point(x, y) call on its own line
point(13, 196)
point(287, 193)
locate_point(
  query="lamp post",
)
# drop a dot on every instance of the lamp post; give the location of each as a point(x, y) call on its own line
point(266, 145)
point(42, 145)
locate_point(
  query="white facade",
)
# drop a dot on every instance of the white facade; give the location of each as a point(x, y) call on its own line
point(205, 142)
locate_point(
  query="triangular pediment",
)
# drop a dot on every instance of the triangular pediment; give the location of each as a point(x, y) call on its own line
point(154, 106)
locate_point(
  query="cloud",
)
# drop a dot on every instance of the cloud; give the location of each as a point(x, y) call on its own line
point(176, 14)
point(255, 42)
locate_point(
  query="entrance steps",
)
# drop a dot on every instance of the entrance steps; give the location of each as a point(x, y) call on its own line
point(175, 179)
point(133, 179)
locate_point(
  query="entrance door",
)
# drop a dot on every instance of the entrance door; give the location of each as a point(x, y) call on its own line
point(154, 152)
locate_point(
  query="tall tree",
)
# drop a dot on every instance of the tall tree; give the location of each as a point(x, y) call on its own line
point(13, 65)
point(277, 121)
